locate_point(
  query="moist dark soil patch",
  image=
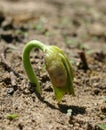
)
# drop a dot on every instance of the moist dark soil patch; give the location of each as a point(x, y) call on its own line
point(77, 27)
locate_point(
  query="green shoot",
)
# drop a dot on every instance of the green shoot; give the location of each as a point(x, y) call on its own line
point(103, 127)
point(11, 116)
point(27, 65)
point(57, 65)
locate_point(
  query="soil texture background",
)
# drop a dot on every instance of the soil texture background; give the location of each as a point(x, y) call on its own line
point(78, 27)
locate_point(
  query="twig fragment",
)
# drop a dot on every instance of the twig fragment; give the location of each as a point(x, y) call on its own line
point(13, 80)
point(7, 66)
point(84, 63)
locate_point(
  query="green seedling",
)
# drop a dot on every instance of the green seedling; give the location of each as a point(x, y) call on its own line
point(58, 67)
point(47, 33)
point(103, 127)
point(11, 116)
point(39, 25)
point(70, 41)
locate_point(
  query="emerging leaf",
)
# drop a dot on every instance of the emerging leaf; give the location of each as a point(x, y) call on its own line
point(60, 71)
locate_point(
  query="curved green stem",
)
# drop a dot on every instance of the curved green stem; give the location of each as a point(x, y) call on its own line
point(26, 62)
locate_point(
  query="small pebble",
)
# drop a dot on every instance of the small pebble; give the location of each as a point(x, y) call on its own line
point(10, 91)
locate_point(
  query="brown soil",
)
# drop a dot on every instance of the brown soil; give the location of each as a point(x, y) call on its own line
point(77, 27)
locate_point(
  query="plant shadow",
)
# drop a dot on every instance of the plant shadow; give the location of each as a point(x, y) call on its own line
point(63, 107)
point(75, 109)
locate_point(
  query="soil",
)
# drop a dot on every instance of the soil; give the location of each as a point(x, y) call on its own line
point(77, 27)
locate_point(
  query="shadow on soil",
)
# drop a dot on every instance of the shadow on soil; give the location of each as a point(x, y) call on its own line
point(63, 107)
point(75, 109)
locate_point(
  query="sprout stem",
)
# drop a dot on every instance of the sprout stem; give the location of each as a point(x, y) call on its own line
point(56, 62)
point(26, 62)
